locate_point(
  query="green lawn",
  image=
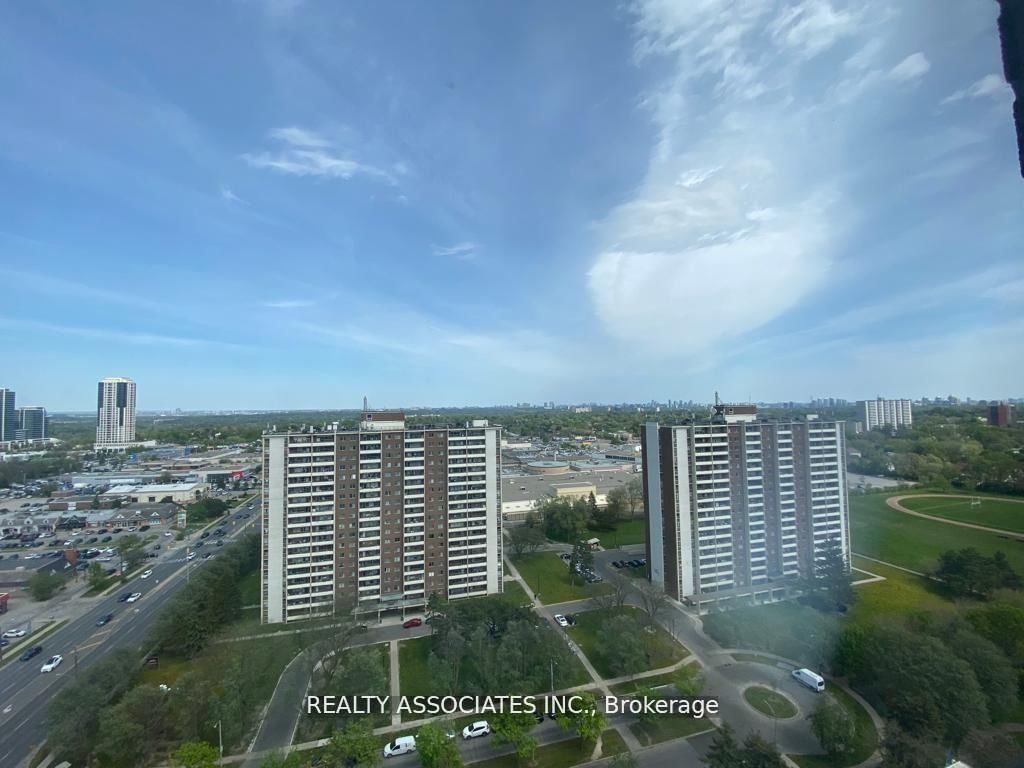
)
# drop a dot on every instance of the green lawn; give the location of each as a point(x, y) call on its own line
point(915, 542)
point(249, 589)
point(769, 702)
point(413, 672)
point(900, 593)
point(612, 743)
point(626, 532)
point(866, 741)
point(993, 512)
point(514, 593)
point(662, 650)
point(653, 681)
point(548, 576)
point(669, 727)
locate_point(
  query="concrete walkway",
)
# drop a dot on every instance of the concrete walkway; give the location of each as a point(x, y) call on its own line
point(396, 716)
point(894, 503)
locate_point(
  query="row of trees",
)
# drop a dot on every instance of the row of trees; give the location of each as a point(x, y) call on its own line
point(968, 573)
point(564, 519)
point(210, 600)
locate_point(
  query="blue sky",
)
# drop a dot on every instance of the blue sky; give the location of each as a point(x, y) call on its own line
point(291, 204)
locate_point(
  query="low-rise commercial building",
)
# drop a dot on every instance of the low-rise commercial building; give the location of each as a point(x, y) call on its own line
point(179, 493)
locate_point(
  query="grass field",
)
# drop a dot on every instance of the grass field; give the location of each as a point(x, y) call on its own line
point(612, 743)
point(413, 672)
point(864, 745)
point(914, 542)
point(653, 681)
point(769, 702)
point(995, 513)
point(626, 532)
point(548, 576)
point(662, 650)
point(669, 727)
point(249, 589)
point(900, 593)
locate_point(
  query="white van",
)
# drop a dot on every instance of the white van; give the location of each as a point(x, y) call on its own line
point(812, 680)
point(400, 746)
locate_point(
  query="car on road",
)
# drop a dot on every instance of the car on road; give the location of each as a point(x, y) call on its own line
point(52, 664)
point(105, 539)
point(560, 620)
point(191, 556)
point(146, 573)
point(410, 623)
point(473, 730)
point(124, 598)
point(220, 542)
point(133, 597)
point(616, 563)
point(32, 652)
point(204, 534)
point(168, 533)
point(400, 746)
point(13, 634)
point(102, 620)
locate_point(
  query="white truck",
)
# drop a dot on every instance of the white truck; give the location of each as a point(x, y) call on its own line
point(812, 680)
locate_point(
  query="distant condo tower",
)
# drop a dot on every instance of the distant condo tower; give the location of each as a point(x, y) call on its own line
point(115, 414)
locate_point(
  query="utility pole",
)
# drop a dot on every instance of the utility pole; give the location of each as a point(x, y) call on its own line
point(76, 661)
point(220, 739)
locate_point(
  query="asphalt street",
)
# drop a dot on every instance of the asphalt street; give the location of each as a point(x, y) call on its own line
point(25, 692)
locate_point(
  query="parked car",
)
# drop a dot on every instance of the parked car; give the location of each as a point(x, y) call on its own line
point(13, 634)
point(566, 556)
point(168, 533)
point(104, 620)
point(400, 746)
point(52, 664)
point(560, 620)
point(32, 652)
point(410, 623)
point(473, 730)
point(105, 539)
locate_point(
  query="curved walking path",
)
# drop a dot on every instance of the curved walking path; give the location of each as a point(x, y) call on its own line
point(893, 502)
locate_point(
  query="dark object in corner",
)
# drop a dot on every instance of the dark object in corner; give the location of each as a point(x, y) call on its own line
point(1011, 38)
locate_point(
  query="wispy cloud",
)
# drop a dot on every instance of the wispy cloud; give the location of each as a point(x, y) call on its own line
point(306, 153)
point(289, 303)
point(118, 337)
point(231, 197)
point(914, 67)
point(465, 251)
point(990, 86)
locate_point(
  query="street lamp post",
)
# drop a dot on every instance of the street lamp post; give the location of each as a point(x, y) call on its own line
point(220, 739)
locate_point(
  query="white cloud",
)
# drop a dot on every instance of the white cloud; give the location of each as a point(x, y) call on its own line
point(231, 197)
point(915, 66)
point(813, 26)
point(696, 177)
point(990, 86)
point(308, 154)
point(465, 251)
point(117, 337)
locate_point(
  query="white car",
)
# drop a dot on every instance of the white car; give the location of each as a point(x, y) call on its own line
point(133, 597)
point(561, 621)
point(479, 728)
point(11, 634)
point(168, 533)
point(52, 664)
point(191, 556)
point(147, 573)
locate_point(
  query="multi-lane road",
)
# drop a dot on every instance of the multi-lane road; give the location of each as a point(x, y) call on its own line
point(25, 692)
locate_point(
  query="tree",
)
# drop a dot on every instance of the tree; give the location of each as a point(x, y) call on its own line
point(833, 726)
point(290, 760)
point(563, 520)
point(523, 538)
point(95, 575)
point(514, 729)
point(589, 723)
point(689, 680)
point(633, 496)
point(44, 584)
point(615, 598)
point(165, 477)
point(626, 655)
point(195, 754)
point(901, 749)
point(624, 760)
point(653, 601)
point(132, 550)
point(758, 752)
point(615, 503)
point(995, 673)
point(967, 572)
point(436, 749)
point(353, 745)
point(725, 751)
point(830, 580)
point(581, 559)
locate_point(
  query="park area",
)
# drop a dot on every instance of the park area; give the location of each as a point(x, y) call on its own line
point(547, 575)
point(651, 648)
point(1006, 514)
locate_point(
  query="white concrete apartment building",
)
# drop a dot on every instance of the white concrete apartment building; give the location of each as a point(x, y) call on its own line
point(115, 414)
point(379, 518)
point(886, 413)
point(742, 507)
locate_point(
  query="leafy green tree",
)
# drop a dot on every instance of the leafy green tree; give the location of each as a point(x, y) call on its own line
point(514, 729)
point(353, 745)
point(833, 727)
point(615, 506)
point(624, 760)
point(581, 559)
point(1003, 625)
point(132, 550)
point(991, 667)
point(725, 751)
point(436, 749)
point(901, 749)
point(94, 575)
point(195, 754)
point(633, 496)
point(523, 539)
point(758, 752)
point(653, 601)
point(689, 680)
point(290, 760)
point(967, 572)
point(563, 520)
point(626, 655)
point(43, 585)
point(588, 723)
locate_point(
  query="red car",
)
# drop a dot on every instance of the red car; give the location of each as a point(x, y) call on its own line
point(410, 623)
